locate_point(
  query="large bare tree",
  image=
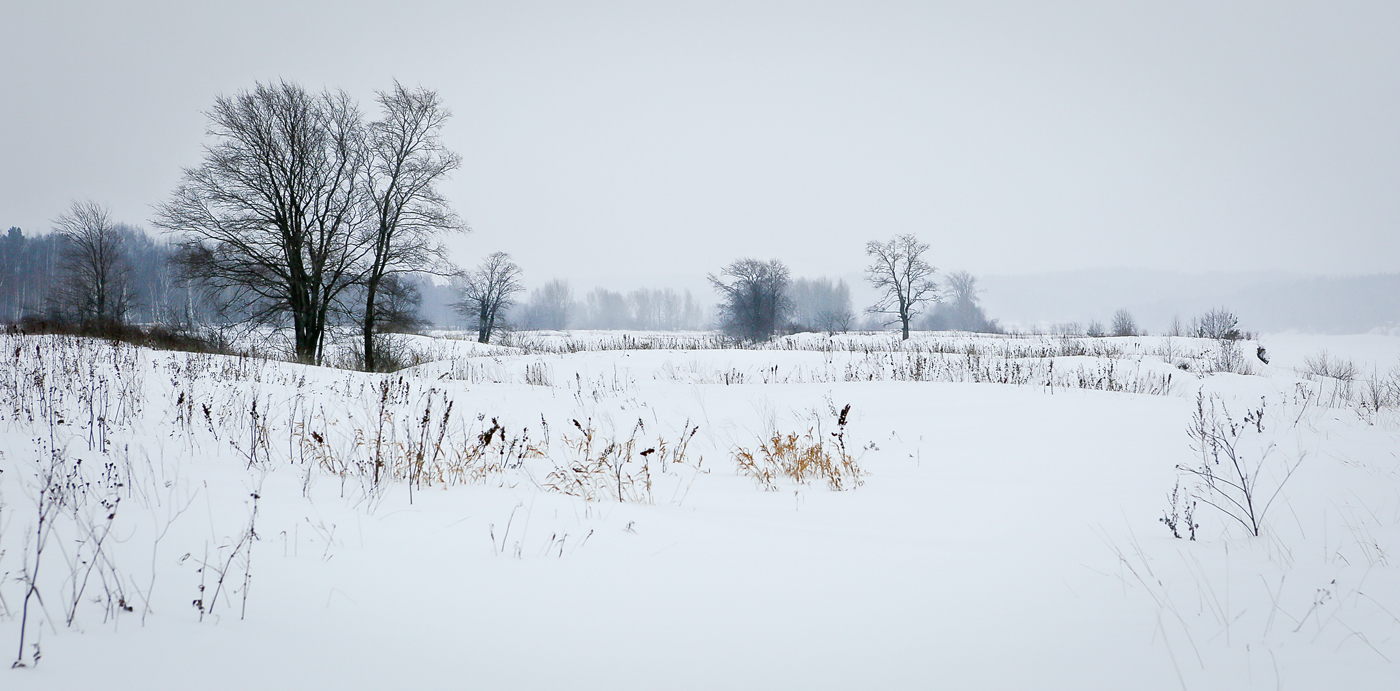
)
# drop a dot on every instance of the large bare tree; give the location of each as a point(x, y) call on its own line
point(753, 298)
point(96, 272)
point(270, 222)
point(488, 291)
point(406, 161)
point(905, 281)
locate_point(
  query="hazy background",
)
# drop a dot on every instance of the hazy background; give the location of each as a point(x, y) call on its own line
point(645, 144)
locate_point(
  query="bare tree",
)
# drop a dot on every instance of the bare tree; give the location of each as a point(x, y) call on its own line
point(550, 306)
point(821, 305)
point(961, 311)
point(1219, 323)
point(753, 302)
point(396, 309)
point(406, 161)
point(1124, 324)
point(606, 309)
point(662, 309)
point(268, 222)
point(962, 288)
point(488, 291)
point(97, 274)
point(905, 281)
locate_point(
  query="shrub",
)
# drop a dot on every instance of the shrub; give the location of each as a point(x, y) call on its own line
point(1124, 324)
point(1324, 365)
point(1219, 323)
point(157, 336)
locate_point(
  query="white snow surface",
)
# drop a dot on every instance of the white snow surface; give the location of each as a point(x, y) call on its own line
point(1005, 536)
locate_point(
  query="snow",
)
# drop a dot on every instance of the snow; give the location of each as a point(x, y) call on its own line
point(1005, 536)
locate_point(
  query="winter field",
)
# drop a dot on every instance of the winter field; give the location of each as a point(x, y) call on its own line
point(627, 511)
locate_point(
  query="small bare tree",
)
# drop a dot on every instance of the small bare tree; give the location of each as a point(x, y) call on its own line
point(1220, 324)
point(96, 290)
point(488, 291)
point(405, 163)
point(905, 281)
point(753, 301)
point(1124, 324)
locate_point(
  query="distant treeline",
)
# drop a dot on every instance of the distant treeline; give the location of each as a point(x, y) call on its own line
point(36, 269)
point(32, 278)
point(816, 305)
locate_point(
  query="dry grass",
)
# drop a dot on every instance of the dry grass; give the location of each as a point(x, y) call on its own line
point(803, 458)
point(613, 469)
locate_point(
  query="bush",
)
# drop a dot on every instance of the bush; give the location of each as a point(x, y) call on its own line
point(1220, 324)
point(155, 336)
point(1124, 324)
point(1324, 365)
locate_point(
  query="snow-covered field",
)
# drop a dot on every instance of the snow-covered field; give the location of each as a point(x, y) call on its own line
point(569, 511)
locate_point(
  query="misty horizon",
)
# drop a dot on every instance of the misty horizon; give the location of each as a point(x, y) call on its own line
point(619, 145)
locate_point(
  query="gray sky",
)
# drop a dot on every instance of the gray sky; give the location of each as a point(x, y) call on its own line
point(648, 143)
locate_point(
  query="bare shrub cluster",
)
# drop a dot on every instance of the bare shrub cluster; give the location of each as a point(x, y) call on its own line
point(82, 401)
point(1341, 383)
point(1323, 364)
point(74, 512)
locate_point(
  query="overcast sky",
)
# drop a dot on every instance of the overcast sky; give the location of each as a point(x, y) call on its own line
point(648, 143)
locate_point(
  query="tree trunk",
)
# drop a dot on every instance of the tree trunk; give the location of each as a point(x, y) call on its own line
point(371, 288)
point(483, 330)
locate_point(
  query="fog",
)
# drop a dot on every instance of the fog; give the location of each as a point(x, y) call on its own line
point(642, 145)
point(1265, 302)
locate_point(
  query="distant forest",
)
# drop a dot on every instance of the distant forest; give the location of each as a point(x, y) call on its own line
point(32, 275)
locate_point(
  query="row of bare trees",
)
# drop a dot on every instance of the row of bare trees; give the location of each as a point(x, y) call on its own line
point(552, 307)
point(302, 212)
point(755, 297)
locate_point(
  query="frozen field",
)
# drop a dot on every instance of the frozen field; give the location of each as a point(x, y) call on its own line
point(597, 510)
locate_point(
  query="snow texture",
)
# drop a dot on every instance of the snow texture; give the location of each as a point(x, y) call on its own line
point(488, 519)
